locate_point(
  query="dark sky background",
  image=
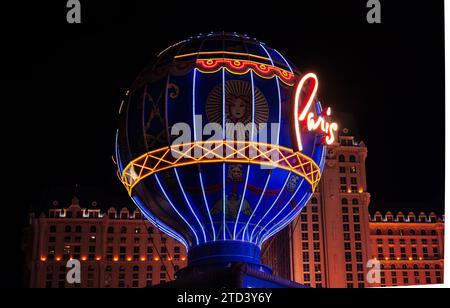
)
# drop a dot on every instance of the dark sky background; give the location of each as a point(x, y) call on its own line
point(69, 80)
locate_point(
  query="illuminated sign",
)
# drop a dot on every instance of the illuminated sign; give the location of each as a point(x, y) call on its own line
point(304, 115)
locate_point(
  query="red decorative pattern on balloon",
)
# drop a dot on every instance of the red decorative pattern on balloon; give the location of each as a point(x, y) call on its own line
point(241, 67)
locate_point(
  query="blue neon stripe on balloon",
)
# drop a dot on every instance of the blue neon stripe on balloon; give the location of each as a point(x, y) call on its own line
point(223, 165)
point(224, 203)
point(195, 139)
point(273, 204)
point(118, 159)
point(175, 209)
point(281, 225)
point(157, 223)
point(281, 211)
point(292, 214)
point(257, 205)
point(248, 166)
point(181, 186)
point(207, 206)
point(242, 201)
point(277, 142)
point(189, 204)
point(279, 97)
point(287, 63)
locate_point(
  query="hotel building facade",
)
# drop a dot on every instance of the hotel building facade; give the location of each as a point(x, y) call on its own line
point(116, 248)
point(410, 248)
point(332, 241)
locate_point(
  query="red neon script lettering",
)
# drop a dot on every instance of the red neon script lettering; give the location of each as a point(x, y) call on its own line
point(312, 121)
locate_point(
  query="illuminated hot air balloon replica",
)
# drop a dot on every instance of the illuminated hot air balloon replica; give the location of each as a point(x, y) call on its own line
point(221, 142)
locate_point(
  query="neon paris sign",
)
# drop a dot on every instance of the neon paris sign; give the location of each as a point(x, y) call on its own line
point(305, 117)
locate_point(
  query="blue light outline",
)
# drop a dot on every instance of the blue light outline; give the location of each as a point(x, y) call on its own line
point(248, 166)
point(257, 205)
point(207, 207)
point(286, 221)
point(189, 204)
point(119, 161)
point(279, 96)
point(289, 216)
point(292, 214)
point(223, 165)
point(273, 204)
point(200, 171)
point(284, 207)
point(158, 224)
point(278, 143)
point(287, 63)
point(187, 201)
point(175, 209)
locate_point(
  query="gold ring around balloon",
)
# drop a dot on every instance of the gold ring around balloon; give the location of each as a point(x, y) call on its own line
point(219, 151)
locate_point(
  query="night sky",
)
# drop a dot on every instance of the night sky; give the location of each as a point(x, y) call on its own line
point(69, 80)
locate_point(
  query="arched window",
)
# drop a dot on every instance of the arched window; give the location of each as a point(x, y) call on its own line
point(136, 268)
point(404, 266)
point(110, 229)
point(150, 230)
point(341, 158)
point(123, 230)
point(433, 232)
point(423, 232)
point(78, 229)
point(344, 201)
point(355, 201)
point(378, 232)
point(416, 266)
point(67, 229)
point(137, 230)
point(121, 269)
point(352, 158)
point(390, 232)
point(427, 266)
point(314, 200)
point(393, 266)
point(437, 266)
point(93, 229)
point(412, 232)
